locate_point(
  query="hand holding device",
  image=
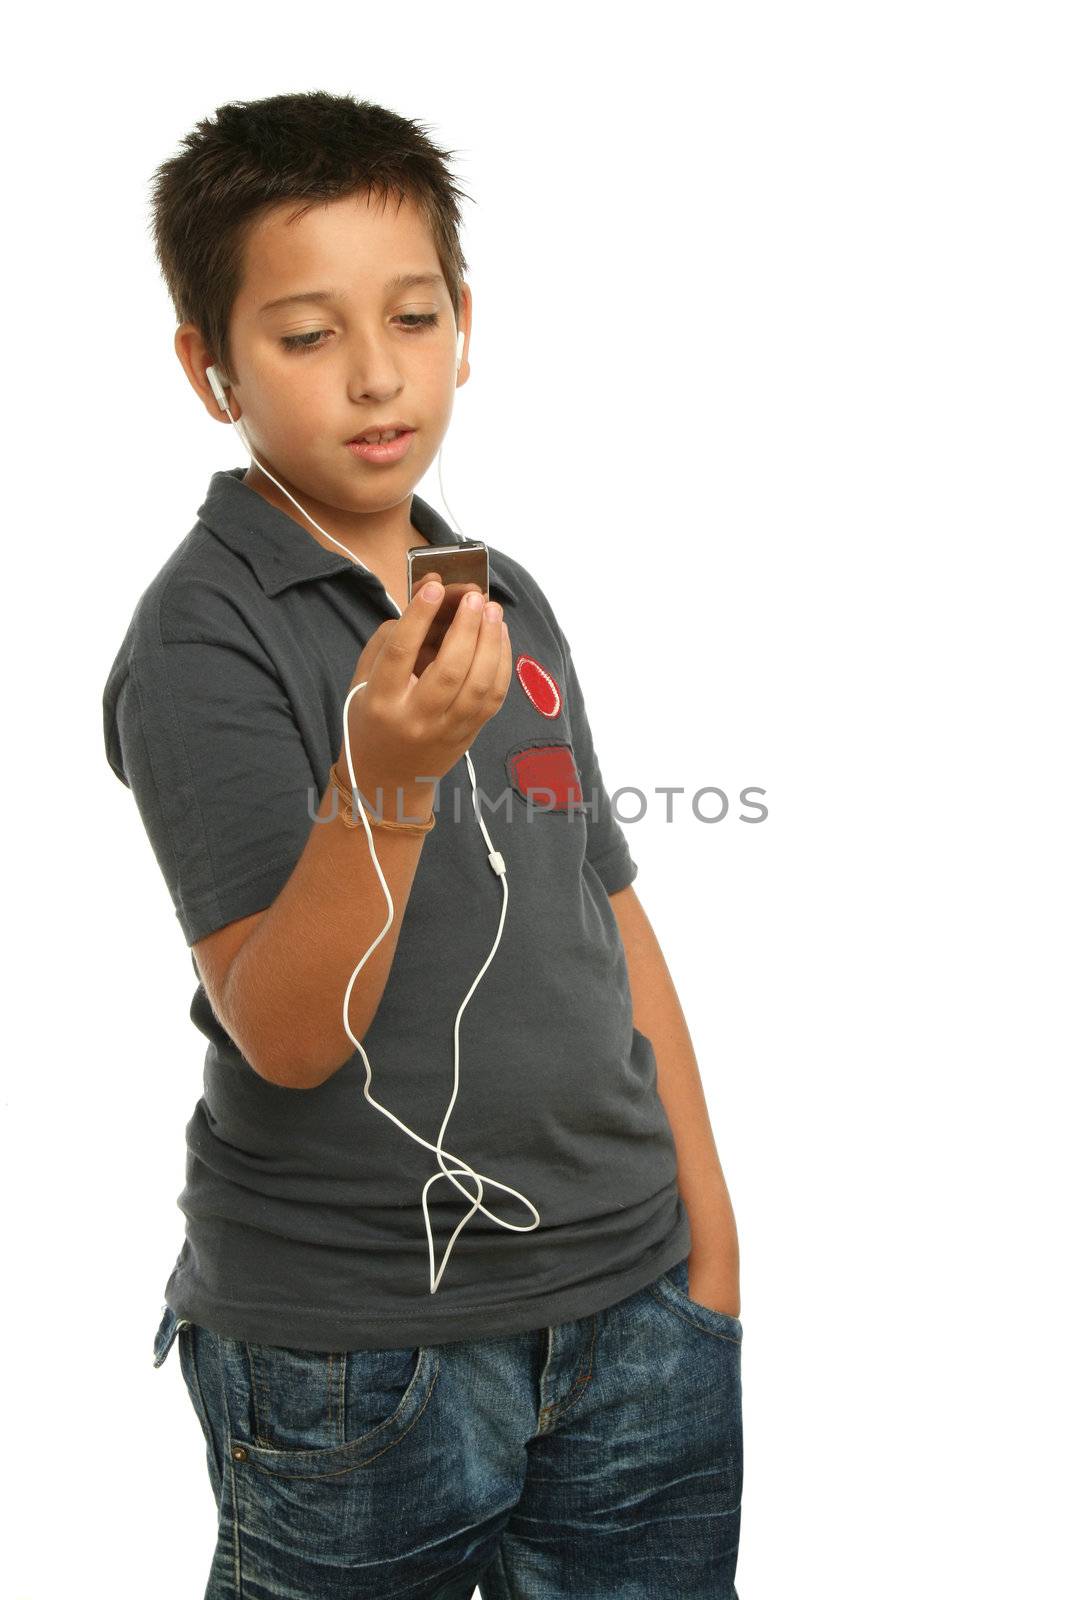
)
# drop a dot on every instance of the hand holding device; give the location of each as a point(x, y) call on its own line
point(407, 730)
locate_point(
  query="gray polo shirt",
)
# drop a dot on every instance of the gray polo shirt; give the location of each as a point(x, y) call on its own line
point(303, 1207)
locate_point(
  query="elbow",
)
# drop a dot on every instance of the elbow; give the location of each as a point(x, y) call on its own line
point(273, 1065)
point(284, 1056)
point(287, 1073)
point(262, 1045)
point(279, 1071)
point(310, 1069)
point(287, 1067)
point(279, 1063)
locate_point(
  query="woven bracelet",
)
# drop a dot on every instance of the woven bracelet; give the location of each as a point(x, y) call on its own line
point(351, 821)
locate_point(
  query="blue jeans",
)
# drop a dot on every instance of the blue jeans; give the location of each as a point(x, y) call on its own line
point(599, 1459)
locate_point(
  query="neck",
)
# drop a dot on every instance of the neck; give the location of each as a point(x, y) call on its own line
point(377, 538)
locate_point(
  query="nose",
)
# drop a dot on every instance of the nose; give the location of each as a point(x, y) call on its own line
point(373, 369)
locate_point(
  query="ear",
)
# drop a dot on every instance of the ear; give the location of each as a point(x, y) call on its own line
point(195, 358)
point(464, 370)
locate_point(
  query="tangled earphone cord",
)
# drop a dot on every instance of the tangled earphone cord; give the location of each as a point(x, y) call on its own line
point(497, 862)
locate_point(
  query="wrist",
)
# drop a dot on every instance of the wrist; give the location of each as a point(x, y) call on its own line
point(404, 801)
point(411, 802)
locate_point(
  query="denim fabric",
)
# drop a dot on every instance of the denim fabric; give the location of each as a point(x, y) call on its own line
point(599, 1459)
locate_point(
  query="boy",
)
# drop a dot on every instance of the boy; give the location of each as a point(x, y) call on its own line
point(370, 1423)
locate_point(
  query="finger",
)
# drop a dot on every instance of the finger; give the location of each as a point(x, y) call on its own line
point(395, 661)
point(440, 626)
point(503, 678)
point(424, 577)
point(445, 676)
point(478, 696)
point(454, 593)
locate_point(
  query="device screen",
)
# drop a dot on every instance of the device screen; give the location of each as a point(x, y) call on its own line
point(457, 565)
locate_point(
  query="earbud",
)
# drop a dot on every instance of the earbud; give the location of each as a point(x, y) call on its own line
point(216, 388)
point(459, 350)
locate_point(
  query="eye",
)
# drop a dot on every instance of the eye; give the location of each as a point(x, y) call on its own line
point(414, 322)
point(302, 341)
point(419, 319)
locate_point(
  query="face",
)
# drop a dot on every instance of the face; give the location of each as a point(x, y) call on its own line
point(311, 374)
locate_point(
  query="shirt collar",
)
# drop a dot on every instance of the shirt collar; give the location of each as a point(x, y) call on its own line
point(282, 552)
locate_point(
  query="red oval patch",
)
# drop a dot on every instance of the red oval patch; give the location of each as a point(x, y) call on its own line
point(540, 686)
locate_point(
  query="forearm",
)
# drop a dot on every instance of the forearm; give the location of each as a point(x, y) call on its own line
point(286, 986)
point(714, 1254)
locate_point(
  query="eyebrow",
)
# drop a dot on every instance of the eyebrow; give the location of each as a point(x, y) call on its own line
point(403, 280)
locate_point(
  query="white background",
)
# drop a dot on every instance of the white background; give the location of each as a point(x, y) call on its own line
point(767, 390)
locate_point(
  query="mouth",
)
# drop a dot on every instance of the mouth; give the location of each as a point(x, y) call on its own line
point(382, 444)
point(380, 435)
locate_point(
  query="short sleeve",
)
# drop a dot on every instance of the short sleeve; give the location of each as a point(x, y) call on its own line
point(606, 848)
point(203, 733)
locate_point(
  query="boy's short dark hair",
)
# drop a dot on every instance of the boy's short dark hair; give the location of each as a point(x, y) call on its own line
point(309, 147)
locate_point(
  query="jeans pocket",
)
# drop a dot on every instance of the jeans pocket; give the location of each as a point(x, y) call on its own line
point(672, 1288)
point(311, 1413)
point(168, 1330)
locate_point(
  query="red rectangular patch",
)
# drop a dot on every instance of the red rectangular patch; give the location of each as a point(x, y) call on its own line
point(546, 776)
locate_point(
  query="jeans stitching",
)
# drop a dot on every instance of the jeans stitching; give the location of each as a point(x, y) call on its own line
point(188, 1331)
point(237, 1584)
point(556, 1408)
point(340, 1432)
point(260, 1407)
point(686, 1316)
point(359, 1465)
